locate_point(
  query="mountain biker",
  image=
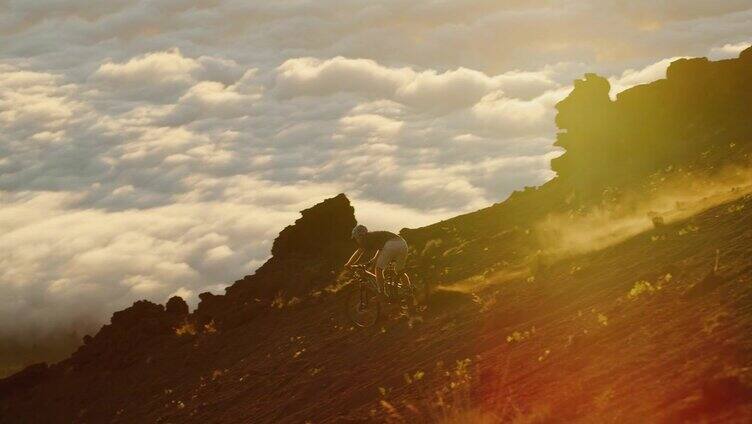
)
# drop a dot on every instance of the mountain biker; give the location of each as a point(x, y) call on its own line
point(388, 247)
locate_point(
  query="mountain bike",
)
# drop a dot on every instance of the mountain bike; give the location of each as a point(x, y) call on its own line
point(364, 300)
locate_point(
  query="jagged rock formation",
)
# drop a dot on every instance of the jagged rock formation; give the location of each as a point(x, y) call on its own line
point(121, 343)
point(668, 122)
point(321, 230)
point(305, 257)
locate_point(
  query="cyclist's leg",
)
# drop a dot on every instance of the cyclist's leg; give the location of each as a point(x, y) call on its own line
point(400, 258)
point(382, 261)
point(379, 278)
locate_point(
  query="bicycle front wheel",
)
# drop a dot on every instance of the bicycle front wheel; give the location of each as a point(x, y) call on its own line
point(363, 306)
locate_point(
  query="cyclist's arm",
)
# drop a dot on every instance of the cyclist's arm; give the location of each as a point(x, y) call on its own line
point(355, 257)
point(373, 260)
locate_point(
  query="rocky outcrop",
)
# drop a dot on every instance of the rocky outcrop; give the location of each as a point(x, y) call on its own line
point(322, 230)
point(696, 119)
point(176, 307)
point(669, 122)
point(122, 342)
point(306, 255)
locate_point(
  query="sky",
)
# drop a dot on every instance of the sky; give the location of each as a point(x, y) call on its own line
point(153, 148)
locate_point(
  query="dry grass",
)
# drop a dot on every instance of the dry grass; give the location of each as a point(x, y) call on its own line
point(447, 396)
point(186, 328)
point(278, 301)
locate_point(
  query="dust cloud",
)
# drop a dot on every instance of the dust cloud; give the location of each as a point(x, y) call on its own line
point(666, 198)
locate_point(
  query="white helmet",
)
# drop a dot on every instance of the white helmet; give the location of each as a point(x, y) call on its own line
point(359, 230)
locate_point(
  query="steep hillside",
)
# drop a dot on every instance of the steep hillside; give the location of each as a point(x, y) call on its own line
point(621, 291)
point(639, 331)
point(690, 126)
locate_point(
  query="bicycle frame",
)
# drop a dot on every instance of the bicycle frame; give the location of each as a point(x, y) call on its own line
point(364, 276)
point(390, 276)
point(368, 296)
point(391, 280)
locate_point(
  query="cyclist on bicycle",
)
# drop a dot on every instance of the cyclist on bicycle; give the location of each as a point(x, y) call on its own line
point(388, 247)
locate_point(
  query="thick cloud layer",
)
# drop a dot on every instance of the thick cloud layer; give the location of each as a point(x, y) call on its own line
point(153, 148)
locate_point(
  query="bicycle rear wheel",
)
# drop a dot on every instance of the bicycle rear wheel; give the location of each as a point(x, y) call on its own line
point(363, 306)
